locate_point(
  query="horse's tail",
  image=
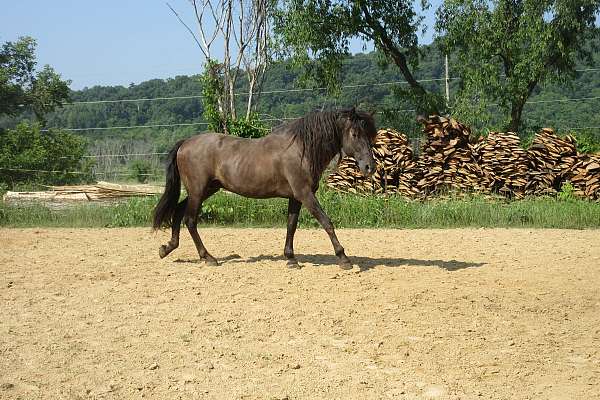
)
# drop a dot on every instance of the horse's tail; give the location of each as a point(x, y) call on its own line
point(163, 212)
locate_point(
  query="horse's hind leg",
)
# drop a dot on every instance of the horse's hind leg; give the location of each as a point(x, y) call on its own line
point(191, 221)
point(175, 229)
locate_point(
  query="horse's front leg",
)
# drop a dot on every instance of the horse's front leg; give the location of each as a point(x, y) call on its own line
point(293, 214)
point(312, 204)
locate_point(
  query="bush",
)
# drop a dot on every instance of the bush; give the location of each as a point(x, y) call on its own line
point(30, 156)
point(587, 142)
point(140, 170)
point(566, 192)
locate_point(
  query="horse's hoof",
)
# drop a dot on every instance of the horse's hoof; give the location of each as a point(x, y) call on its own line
point(346, 264)
point(293, 264)
point(211, 262)
point(162, 251)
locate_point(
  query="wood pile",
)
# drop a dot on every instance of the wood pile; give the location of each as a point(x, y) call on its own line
point(550, 161)
point(109, 191)
point(585, 176)
point(395, 170)
point(448, 159)
point(451, 160)
point(347, 178)
point(504, 164)
point(101, 191)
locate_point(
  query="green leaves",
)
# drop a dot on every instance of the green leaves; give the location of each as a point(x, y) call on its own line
point(26, 151)
point(316, 35)
point(22, 87)
point(505, 48)
point(211, 81)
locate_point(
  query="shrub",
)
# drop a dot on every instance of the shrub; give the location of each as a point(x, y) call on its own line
point(28, 155)
point(140, 170)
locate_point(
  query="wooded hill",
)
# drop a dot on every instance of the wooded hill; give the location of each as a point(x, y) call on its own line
point(364, 84)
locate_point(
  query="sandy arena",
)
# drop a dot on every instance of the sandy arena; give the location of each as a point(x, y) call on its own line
point(431, 314)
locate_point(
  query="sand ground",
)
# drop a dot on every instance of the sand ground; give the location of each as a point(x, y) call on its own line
point(431, 314)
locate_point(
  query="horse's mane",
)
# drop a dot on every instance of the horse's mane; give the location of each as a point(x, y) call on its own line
point(321, 137)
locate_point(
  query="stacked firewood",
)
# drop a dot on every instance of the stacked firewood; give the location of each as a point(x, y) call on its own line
point(504, 164)
point(347, 178)
point(550, 161)
point(448, 159)
point(395, 169)
point(585, 176)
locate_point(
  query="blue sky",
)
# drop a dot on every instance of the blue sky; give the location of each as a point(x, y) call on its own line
point(112, 42)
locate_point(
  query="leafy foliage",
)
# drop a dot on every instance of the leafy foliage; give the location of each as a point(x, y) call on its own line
point(211, 86)
point(512, 46)
point(316, 35)
point(566, 192)
point(140, 170)
point(587, 142)
point(22, 87)
point(249, 127)
point(25, 149)
point(363, 80)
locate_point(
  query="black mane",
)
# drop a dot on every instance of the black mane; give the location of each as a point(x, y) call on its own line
point(321, 136)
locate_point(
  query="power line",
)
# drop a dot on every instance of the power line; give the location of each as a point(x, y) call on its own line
point(123, 155)
point(278, 91)
point(290, 118)
point(563, 100)
point(275, 91)
point(70, 172)
point(581, 128)
point(135, 100)
point(183, 124)
point(127, 127)
point(554, 101)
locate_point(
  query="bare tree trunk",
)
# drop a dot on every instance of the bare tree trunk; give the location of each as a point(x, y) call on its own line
point(243, 27)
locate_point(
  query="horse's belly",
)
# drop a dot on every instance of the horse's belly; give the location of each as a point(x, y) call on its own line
point(256, 184)
point(263, 192)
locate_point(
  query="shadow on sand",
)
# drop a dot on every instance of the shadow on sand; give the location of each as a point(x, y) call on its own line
point(365, 263)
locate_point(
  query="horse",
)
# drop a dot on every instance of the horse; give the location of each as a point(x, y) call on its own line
point(286, 163)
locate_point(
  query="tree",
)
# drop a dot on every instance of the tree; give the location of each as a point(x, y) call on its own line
point(29, 155)
point(505, 48)
point(241, 29)
point(316, 34)
point(21, 87)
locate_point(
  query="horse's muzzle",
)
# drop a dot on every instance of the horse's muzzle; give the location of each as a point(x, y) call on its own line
point(367, 169)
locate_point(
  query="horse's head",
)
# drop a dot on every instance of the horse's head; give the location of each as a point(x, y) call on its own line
point(358, 134)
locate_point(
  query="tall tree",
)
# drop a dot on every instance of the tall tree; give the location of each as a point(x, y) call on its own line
point(317, 35)
point(505, 48)
point(22, 87)
point(240, 28)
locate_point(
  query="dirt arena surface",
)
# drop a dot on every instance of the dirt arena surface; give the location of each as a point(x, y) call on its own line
point(431, 314)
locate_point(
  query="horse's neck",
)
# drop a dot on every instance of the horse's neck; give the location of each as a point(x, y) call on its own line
point(327, 158)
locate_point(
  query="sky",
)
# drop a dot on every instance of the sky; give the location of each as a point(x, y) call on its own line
point(113, 42)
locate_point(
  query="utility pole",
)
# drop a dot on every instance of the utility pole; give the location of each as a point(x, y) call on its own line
point(447, 85)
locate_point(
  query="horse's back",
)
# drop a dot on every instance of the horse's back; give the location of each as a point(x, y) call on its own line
point(250, 167)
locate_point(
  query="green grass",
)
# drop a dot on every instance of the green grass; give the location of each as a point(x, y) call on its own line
point(346, 211)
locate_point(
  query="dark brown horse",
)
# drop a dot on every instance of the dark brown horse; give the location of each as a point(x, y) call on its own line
point(286, 163)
